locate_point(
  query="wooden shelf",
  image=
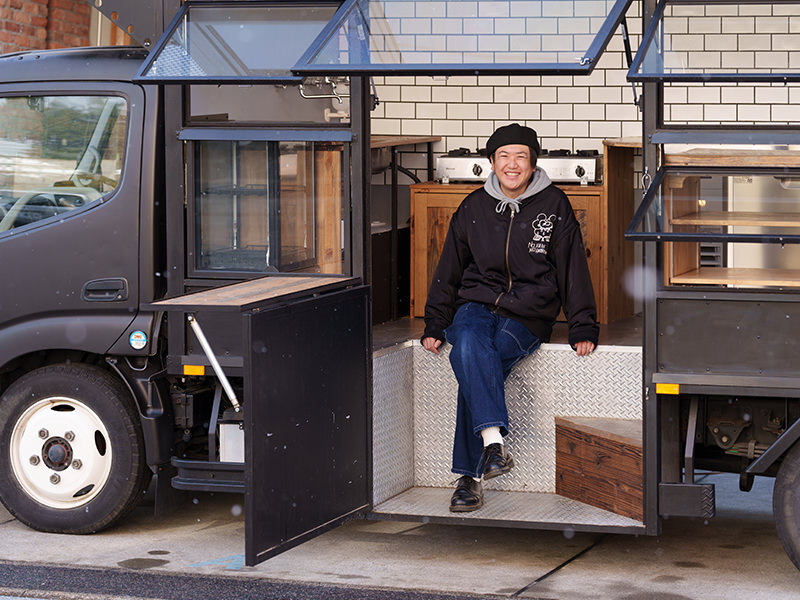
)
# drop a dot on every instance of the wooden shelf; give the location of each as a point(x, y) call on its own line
point(750, 218)
point(740, 276)
point(726, 157)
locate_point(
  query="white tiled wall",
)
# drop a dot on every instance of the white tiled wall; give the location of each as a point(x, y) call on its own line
point(579, 112)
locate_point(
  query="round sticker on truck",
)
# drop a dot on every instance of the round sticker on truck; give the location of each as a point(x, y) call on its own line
point(138, 340)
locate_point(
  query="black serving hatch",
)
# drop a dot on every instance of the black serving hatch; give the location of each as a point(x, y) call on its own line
point(743, 41)
point(236, 42)
point(306, 404)
point(454, 37)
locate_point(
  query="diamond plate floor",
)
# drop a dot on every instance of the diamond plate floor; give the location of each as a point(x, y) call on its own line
point(517, 509)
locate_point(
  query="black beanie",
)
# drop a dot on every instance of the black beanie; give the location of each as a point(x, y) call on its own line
point(513, 134)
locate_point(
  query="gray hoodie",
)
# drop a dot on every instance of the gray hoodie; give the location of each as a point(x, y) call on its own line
point(539, 181)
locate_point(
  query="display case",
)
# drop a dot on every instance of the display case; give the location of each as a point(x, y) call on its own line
point(723, 225)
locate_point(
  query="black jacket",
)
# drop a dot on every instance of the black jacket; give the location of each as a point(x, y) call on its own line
point(526, 265)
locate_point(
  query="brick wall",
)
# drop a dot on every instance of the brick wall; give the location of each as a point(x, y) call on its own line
point(41, 24)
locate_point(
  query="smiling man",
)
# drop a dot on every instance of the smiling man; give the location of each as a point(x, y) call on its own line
point(512, 259)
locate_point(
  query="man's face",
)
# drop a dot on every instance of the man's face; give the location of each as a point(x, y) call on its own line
point(512, 165)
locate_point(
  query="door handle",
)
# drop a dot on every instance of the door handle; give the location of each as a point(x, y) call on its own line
point(112, 289)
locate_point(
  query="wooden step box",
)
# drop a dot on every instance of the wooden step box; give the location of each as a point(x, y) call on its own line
point(599, 462)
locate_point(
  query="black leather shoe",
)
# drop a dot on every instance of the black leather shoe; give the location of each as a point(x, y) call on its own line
point(497, 461)
point(468, 495)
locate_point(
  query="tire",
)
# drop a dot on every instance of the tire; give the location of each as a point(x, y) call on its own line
point(72, 456)
point(786, 504)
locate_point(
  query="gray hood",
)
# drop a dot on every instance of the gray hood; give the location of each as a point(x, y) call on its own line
point(539, 181)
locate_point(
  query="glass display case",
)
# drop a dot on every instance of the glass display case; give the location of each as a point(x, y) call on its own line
point(725, 226)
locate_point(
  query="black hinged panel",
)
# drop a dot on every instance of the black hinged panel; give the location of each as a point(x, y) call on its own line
point(307, 419)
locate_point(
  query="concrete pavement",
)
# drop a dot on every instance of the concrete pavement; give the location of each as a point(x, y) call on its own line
point(735, 555)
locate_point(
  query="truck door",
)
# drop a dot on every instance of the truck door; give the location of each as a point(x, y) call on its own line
point(69, 215)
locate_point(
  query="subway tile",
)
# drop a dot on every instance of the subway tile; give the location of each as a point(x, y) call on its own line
point(700, 25)
point(772, 95)
point(786, 113)
point(493, 111)
point(388, 93)
point(754, 113)
point(385, 126)
point(623, 112)
point(493, 43)
point(431, 111)
point(446, 26)
point(772, 25)
point(754, 42)
point(492, 80)
point(590, 112)
point(447, 127)
point(738, 95)
point(704, 95)
point(478, 26)
point(399, 110)
point(509, 94)
point(415, 26)
point(446, 94)
point(605, 94)
point(738, 25)
point(557, 111)
point(480, 128)
point(431, 9)
point(720, 113)
point(573, 129)
point(488, 10)
point(509, 26)
point(525, 80)
point(462, 111)
point(772, 60)
point(572, 95)
point(415, 93)
point(415, 127)
point(541, 94)
point(479, 94)
point(524, 112)
point(687, 113)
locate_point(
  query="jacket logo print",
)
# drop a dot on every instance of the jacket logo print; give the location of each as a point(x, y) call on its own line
point(542, 227)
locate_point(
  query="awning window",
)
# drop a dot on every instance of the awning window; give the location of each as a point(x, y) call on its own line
point(720, 40)
point(464, 37)
point(230, 42)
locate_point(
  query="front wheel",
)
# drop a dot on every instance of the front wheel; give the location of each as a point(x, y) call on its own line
point(71, 451)
point(786, 504)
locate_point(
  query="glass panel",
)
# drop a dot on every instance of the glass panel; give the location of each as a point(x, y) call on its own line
point(724, 227)
point(234, 41)
point(57, 154)
point(421, 35)
point(269, 206)
point(701, 41)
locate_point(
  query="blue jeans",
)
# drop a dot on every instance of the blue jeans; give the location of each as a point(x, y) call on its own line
point(485, 348)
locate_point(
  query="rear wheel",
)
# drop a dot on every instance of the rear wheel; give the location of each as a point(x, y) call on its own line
point(72, 455)
point(786, 504)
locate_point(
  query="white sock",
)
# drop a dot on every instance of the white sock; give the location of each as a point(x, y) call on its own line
point(491, 435)
point(478, 479)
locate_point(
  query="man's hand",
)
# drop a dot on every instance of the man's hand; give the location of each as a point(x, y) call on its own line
point(431, 344)
point(582, 348)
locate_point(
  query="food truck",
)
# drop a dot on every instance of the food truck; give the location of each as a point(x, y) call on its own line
point(186, 238)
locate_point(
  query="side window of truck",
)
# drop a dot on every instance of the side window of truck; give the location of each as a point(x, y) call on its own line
point(57, 154)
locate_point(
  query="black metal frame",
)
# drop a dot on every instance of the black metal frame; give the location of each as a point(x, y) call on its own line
point(652, 27)
point(665, 488)
point(585, 67)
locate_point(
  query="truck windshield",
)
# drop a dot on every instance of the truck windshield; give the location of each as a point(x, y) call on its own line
point(57, 154)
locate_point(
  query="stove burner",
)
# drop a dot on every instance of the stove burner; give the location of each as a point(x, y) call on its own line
point(592, 152)
point(459, 152)
point(561, 152)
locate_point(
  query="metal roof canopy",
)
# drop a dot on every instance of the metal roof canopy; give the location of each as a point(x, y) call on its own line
point(262, 41)
point(736, 52)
